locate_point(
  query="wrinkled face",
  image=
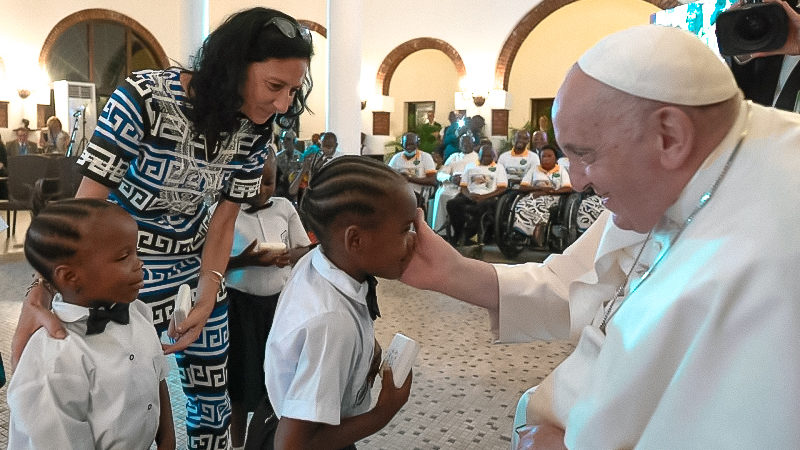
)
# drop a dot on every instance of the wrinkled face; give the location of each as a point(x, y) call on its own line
point(392, 241)
point(609, 152)
point(107, 266)
point(521, 140)
point(548, 159)
point(328, 145)
point(270, 87)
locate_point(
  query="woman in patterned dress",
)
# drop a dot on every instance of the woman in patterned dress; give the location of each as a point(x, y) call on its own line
point(168, 144)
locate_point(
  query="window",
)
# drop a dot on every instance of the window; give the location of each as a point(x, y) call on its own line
point(101, 47)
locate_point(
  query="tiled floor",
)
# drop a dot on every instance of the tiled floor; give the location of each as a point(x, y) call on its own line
point(465, 388)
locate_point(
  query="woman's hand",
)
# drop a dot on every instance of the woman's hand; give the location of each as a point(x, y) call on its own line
point(35, 314)
point(189, 330)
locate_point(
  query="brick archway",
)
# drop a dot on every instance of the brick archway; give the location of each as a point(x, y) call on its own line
point(102, 14)
point(387, 68)
point(314, 26)
point(502, 71)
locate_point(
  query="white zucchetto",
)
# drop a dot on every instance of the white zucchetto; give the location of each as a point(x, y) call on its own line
point(660, 63)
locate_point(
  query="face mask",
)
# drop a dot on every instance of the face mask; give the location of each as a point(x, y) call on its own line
point(411, 153)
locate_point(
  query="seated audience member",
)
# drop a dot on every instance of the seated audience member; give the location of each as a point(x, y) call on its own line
point(313, 148)
point(415, 165)
point(681, 302)
point(53, 139)
point(472, 124)
point(253, 281)
point(449, 177)
point(103, 386)
point(21, 145)
point(480, 185)
point(545, 182)
point(519, 159)
point(322, 356)
point(329, 149)
point(288, 160)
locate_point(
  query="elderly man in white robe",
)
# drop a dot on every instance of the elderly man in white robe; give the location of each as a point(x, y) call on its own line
point(684, 305)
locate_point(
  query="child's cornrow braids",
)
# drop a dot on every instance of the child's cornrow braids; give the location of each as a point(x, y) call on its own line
point(53, 235)
point(348, 184)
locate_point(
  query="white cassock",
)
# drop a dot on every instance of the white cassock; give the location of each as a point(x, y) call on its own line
point(704, 353)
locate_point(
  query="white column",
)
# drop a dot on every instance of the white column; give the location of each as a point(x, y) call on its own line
point(343, 105)
point(194, 14)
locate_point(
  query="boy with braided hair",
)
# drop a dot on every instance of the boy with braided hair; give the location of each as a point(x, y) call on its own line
point(103, 386)
point(322, 357)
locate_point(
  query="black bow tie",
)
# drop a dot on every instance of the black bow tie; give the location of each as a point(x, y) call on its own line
point(372, 297)
point(100, 313)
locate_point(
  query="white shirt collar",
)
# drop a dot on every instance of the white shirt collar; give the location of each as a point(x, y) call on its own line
point(68, 312)
point(343, 282)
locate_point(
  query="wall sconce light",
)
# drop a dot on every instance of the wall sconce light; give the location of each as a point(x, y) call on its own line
point(479, 100)
point(363, 104)
point(23, 93)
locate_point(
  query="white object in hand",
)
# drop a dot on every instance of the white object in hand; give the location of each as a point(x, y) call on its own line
point(271, 246)
point(183, 303)
point(400, 357)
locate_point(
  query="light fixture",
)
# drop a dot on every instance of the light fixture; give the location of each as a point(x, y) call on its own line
point(479, 100)
point(363, 104)
point(23, 93)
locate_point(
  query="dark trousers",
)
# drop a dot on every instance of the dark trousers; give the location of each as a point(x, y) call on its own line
point(465, 214)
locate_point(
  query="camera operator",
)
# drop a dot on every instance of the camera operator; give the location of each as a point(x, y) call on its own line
point(773, 78)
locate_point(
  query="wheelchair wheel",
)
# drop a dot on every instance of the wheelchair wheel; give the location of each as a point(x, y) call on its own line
point(568, 227)
point(509, 241)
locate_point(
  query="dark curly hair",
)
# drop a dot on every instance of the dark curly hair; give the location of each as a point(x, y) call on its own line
point(220, 69)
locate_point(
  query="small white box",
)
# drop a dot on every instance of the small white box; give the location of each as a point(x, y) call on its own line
point(183, 304)
point(271, 246)
point(400, 357)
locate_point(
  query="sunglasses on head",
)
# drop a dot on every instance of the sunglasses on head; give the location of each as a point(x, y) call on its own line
point(289, 29)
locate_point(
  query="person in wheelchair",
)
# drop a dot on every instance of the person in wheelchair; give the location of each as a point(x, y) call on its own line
point(481, 185)
point(449, 178)
point(546, 183)
point(519, 160)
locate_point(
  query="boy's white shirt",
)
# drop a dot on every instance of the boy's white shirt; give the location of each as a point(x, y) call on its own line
point(98, 391)
point(320, 346)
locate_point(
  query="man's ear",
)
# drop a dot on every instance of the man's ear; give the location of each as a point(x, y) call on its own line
point(676, 136)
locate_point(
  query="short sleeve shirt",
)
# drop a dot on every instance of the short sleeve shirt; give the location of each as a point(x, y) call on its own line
point(320, 347)
point(557, 177)
point(518, 164)
point(482, 180)
point(144, 149)
point(420, 165)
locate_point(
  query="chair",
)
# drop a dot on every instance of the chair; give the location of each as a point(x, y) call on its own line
point(69, 178)
point(23, 172)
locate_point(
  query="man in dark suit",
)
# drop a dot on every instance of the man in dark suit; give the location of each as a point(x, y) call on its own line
point(21, 145)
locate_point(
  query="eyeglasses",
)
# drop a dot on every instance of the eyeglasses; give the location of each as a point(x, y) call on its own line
point(289, 29)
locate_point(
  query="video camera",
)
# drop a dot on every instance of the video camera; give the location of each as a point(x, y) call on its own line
point(754, 27)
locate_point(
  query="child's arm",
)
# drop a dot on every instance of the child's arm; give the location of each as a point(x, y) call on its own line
point(252, 257)
point(165, 435)
point(294, 433)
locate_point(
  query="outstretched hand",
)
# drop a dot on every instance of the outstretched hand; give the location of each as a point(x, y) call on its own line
point(429, 263)
point(250, 256)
